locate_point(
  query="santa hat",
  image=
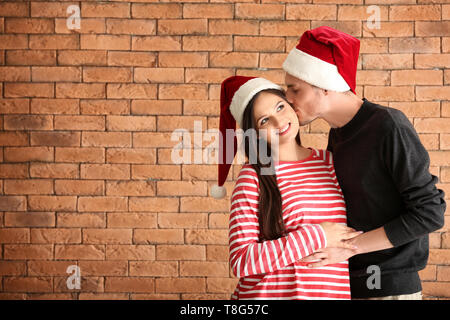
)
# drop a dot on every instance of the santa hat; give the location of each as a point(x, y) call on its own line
point(236, 92)
point(326, 58)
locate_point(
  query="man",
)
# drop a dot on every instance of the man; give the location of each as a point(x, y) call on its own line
point(380, 163)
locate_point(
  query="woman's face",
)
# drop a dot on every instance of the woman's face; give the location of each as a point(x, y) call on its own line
point(274, 114)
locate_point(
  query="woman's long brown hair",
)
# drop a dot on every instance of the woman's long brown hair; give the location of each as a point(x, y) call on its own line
point(270, 203)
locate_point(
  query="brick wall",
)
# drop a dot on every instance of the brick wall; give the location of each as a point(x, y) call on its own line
point(86, 117)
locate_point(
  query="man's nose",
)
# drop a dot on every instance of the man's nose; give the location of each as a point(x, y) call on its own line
point(289, 96)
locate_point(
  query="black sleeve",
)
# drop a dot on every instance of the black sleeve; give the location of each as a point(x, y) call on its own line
point(330, 141)
point(408, 163)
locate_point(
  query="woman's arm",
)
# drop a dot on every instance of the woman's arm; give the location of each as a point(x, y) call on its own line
point(248, 256)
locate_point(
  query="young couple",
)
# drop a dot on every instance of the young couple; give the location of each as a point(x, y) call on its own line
point(351, 221)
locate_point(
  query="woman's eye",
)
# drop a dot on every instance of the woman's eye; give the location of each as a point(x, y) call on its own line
point(280, 106)
point(263, 121)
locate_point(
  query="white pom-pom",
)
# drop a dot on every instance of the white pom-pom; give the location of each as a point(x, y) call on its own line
point(218, 192)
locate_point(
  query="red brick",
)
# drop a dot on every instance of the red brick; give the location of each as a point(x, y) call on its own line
point(107, 74)
point(104, 268)
point(80, 90)
point(13, 139)
point(107, 236)
point(54, 106)
point(14, 235)
point(79, 122)
point(54, 42)
point(28, 284)
point(31, 57)
point(199, 236)
point(210, 75)
point(156, 11)
point(432, 61)
point(265, 44)
point(28, 122)
point(415, 12)
point(79, 252)
point(105, 171)
point(28, 25)
point(33, 186)
point(43, 235)
point(156, 43)
point(310, 11)
point(131, 91)
point(390, 29)
point(424, 93)
point(259, 11)
point(138, 59)
point(28, 251)
point(416, 77)
point(209, 269)
point(104, 42)
point(234, 59)
point(183, 91)
point(15, 74)
point(50, 9)
point(96, 106)
point(14, 9)
point(233, 27)
point(392, 93)
point(207, 11)
point(9, 41)
point(153, 204)
point(85, 154)
point(106, 139)
point(132, 220)
point(427, 29)
point(13, 203)
point(182, 26)
point(54, 170)
point(183, 59)
point(136, 156)
point(130, 188)
point(132, 27)
point(129, 284)
point(154, 268)
point(158, 236)
point(25, 154)
point(79, 187)
point(82, 57)
point(32, 90)
point(166, 172)
point(156, 107)
point(180, 285)
point(414, 45)
point(207, 43)
point(55, 138)
point(130, 252)
point(159, 75)
point(117, 10)
point(52, 203)
point(183, 220)
point(89, 220)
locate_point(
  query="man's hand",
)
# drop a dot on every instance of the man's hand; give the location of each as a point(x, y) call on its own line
point(329, 256)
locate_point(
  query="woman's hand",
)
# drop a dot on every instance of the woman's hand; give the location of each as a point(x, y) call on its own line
point(337, 233)
point(328, 256)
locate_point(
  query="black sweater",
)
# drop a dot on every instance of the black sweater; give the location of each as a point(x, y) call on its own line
point(383, 170)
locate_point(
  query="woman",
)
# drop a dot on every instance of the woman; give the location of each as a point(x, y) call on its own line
point(277, 219)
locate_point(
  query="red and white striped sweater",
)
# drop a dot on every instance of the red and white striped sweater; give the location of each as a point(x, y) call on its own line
point(271, 269)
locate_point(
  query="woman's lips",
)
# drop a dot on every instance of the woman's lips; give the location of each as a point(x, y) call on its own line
point(285, 131)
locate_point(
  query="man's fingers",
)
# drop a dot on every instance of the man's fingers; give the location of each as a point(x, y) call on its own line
point(346, 245)
point(350, 235)
point(318, 264)
point(314, 257)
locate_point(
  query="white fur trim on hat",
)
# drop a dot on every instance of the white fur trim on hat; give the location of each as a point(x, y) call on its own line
point(314, 71)
point(245, 93)
point(218, 192)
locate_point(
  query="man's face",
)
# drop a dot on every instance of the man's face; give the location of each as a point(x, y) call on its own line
point(304, 98)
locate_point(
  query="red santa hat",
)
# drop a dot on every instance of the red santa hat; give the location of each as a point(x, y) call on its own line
point(236, 92)
point(326, 58)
